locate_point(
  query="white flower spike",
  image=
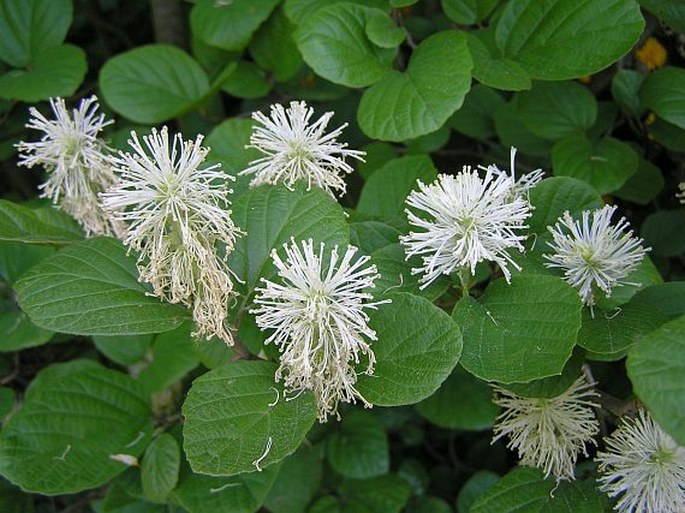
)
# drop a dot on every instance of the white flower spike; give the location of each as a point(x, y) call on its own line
point(644, 466)
point(593, 253)
point(176, 212)
point(295, 150)
point(681, 192)
point(466, 219)
point(76, 162)
point(317, 312)
point(548, 433)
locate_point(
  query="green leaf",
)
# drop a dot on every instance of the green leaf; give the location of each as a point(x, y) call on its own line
point(662, 230)
point(40, 226)
point(299, 10)
point(430, 504)
point(153, 83)
point(273, 47)
point(609, 334)
point(668, 298)
point(557, 39)
point(553, 110)
point(504, 339)
point(124, 349)
point(553, 196)
point(238, 494)
point(20, 332)
point(57, 71)
point(407, 105)
point(429, 143)
point(16, 258)
point(159, 471)
point(462, 402)
point(75, 416)
point(29, 27)
point(524, 489)
point(605, 164)
point(229, 25)
point(387, 188)
point(272, 215)
point(476, 117)
point(468, 12)
point(227, 142)
point(382, 30)
point(494, 71)
point(247, 80)
point(625, 88)
point(552, 386)
point(512, 132)
point(396, 274)
point(474, 487)
point(297, 483)
point(383, 494)
point(669, 11)
point(234, 417)
point(173, 356)
point(359, 449)
point(377, 154)
point(92, 288)
point(125, 495)
point(643, 186)
point(418, 346)
point(334, 42)
point(657, 370)
point(664, 93)
point(370, 236)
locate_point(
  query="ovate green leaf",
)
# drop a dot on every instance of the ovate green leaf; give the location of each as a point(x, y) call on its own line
point(92, 288)
point(75, 416)
point(418, 346)
point(335, 43)
point(553, 110)
point(40, 226)
point(504, 339)
point(29, 27)
point(462, 402)
point(664, 93)
point(407, 105)
point(56, 71)
point(657, 370)
point(557, 39)
point(359, 448)
point(229, 25)
point(237, 420)
point(524, 489)
point(606, 164)
point(153, 83)
point(387, 189)
point(159, 471)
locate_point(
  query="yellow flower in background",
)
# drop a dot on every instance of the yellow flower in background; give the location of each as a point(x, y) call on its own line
point(652, 54)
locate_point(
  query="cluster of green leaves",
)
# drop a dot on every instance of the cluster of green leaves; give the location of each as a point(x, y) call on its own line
point(136, 416)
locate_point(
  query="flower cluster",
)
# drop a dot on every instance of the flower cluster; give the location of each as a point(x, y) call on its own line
point(176, 213)
point(296, 150)
point(593, 253)
point(467, 219)
point(77, 162)
point(644, 466)
point(317, 313)
point(549, 433)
